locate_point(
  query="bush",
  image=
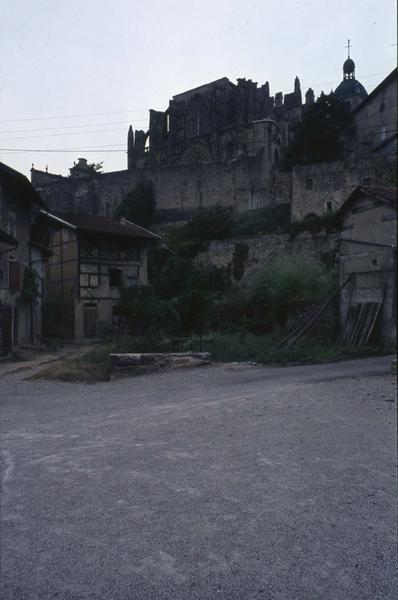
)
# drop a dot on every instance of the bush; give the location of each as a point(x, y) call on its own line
point(174, 278)
point(213, 223)
point(146, 313)
point(287, 283)
point(232, 311)
point(274, 219)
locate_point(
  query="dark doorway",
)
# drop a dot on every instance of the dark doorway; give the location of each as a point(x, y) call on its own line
point(5, 330)
point(90, 321)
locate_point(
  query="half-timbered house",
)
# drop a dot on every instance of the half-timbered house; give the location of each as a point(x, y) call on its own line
point(92, 258)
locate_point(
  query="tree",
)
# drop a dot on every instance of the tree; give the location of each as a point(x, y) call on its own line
point(213, 223)
point(323, 134)
point(147, 313)
point(138, 205)
point(95, 168)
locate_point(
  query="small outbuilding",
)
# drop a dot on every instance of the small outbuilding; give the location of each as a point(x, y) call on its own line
point(368, 258)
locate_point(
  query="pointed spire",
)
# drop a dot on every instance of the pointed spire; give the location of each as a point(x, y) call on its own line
point(309, 96)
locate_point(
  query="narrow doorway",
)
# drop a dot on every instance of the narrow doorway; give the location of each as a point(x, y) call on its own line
point(90, 320)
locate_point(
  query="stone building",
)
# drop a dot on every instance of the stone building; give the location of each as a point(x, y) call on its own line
point(21, 261)
point(321, 187)
point(92, 256)
point(368, 244)
point(219, 143)
point(376, 121)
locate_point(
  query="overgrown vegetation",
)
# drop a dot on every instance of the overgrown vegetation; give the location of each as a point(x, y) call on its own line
point(227, 347)
point(324, 134)
point(138, 205)
point(274, 219)
point(330, 222)
point(222, 222)
point(284, 285)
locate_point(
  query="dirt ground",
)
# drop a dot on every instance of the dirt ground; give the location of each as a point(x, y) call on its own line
point(229, 481)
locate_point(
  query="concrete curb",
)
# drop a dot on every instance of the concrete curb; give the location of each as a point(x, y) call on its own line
point(148, 362)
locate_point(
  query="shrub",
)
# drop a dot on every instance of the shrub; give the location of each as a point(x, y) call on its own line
point(174, 278)
point(274, 219)
point(146, 313)
point(213, 223)
point(232, 311)
point(286, 283)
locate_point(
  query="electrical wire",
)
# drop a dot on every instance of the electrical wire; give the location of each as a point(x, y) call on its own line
point(118, 112)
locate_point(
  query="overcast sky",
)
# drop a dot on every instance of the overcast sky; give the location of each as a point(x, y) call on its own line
point(75, 74)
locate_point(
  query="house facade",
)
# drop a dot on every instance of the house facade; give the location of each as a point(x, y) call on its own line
point(21, 261)
point(368, 255)
point(92, 258)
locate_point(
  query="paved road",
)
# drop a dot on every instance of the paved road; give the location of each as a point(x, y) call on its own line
point(226, 482)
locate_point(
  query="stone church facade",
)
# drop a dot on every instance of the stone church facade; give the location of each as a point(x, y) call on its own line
point(216, 144)
point(220, 143)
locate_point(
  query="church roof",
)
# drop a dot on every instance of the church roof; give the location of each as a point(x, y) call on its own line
point(349, 88)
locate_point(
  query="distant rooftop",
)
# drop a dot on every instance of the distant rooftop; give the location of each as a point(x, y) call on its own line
point(105, 225)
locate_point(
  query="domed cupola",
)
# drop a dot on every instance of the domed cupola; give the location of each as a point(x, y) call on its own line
point(350, 90)
point(349, 69)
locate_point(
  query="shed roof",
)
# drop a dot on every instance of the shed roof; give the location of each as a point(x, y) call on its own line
point(387, 195)
point(105, 225)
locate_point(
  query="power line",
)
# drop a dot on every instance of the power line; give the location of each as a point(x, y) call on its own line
point(115, 112)
point(118, 112)
point(28, 137)
point(50, 150)
point(72, 126)
point(362, 77)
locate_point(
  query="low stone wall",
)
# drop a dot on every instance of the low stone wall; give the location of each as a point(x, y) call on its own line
point(263, 248)
point(139, 364)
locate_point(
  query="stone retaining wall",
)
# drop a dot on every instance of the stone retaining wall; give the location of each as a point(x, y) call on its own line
point(263, 248)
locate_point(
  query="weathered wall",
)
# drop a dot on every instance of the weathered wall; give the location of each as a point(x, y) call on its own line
point(321, 187)
point(245, 183)
point(376, 120)
point(373, 266)
point(264, 248)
